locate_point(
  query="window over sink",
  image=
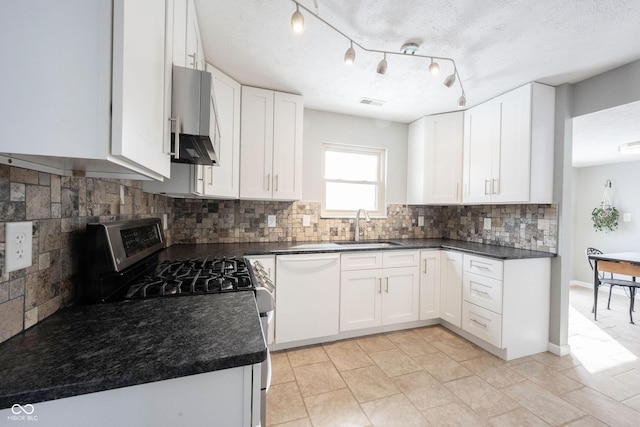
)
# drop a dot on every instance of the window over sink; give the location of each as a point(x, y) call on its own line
point(353, 177)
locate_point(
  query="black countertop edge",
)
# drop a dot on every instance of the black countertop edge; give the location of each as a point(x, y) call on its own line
point(183, 251)
point(77, 389)
point(86, 349)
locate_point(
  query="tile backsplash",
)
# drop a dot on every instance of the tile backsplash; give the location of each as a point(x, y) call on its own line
point(61, 206)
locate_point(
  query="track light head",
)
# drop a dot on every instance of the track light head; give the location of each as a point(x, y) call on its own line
point(297, 21)
point(462, 101)
point(350, 55)
point(382, 65)
point(450, 80)
point(434, 68)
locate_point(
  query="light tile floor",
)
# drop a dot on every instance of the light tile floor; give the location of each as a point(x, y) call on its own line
point(432, 377)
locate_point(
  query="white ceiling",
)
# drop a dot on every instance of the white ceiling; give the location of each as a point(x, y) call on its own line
point(498, 45)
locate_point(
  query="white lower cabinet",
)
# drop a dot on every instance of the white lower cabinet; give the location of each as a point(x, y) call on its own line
point(228, 397)
point(429, 285)
point(308, 296)
point(451, 287)
point(506, 303)
point(386, 294)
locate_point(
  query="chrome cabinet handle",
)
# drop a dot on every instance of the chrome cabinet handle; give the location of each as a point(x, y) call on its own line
point(484, 325)
point(176, 142)
point(275, 187)
point(425, 267)
point(474, 264)
point(387, 281)
point(268, 181)
point(380, 285)
point(494, 186)
point(486, 192)
point(193, 56)
point(480, 291)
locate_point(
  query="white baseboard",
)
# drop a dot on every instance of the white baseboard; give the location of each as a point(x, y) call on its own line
point(558, 350)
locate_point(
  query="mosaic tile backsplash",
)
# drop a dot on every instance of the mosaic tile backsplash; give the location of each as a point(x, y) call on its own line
point(60, 207)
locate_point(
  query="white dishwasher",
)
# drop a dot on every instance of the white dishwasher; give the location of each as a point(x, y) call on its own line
point(308, 301)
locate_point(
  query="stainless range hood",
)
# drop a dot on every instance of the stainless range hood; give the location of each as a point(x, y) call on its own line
point(191, 108)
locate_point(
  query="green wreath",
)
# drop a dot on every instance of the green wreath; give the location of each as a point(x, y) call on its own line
point(605, 218)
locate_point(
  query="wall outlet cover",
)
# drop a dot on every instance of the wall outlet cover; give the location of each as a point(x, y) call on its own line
point(18, 245)
point(626, 217)
point(306, 220)
point(271, 221)
point(487, 223)
point(420, 221)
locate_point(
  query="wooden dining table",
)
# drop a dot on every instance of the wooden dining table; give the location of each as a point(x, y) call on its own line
point(625, 263)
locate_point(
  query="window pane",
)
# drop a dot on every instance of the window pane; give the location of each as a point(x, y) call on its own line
point(351, 166)
point(340, 196)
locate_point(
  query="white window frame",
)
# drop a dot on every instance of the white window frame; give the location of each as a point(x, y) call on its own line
point(381, 211)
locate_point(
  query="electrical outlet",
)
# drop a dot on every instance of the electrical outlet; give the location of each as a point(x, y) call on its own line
point(420, 221)
point(18, 244)
point(306, 220)
point(271, 221)
point(487, 223)
point(626, 217)
point(165, 225)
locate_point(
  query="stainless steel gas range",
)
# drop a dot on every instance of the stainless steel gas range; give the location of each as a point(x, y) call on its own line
point(122, 264)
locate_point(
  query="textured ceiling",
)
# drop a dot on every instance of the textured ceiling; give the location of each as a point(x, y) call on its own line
point(498, 45)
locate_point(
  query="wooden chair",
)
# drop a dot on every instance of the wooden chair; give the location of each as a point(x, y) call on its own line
point(608, 279)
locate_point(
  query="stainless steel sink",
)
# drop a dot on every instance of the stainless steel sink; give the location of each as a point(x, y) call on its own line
point(344, 245)
point(316, 246)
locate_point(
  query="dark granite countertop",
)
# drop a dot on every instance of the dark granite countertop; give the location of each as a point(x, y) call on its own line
point(279, 248)
point(86, 349)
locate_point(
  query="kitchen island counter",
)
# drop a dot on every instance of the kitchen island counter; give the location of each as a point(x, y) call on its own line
point(279, 248)
point(86, 349)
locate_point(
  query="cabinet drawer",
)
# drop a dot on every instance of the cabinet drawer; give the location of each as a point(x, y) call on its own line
point(482, 323)
point(483, 266)
point(483, 291)
point(361, 260)
point(400, 259)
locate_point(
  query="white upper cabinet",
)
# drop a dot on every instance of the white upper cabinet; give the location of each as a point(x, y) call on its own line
point(434, 164)
point(508, 147)
point(100, 107)
point(223, 181)
point(187, 51)
point(270, 145)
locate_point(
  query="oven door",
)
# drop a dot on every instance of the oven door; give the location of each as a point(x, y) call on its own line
point(266, 319)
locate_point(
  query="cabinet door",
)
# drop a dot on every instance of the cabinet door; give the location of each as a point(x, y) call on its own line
point(287, 146)
point(139, 128)
point(481, 137)
point(180, 32)
point(224, 179)
point(429, 285)
point(416, 162)
point(195, 55)
point(400, 295)
point(443, 154)
point(308, 296)
point(360, 299)
point(512, 174)
point(451, 287)
point(256, 143)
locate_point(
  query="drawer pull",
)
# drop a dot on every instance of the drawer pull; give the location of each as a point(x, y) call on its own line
point(480, 266)
point(480, 291)
point(380, 285)
point(484, 325)
point(387, 281)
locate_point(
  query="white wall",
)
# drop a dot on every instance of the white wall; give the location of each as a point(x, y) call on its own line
point(624, 195)
point(322, 126)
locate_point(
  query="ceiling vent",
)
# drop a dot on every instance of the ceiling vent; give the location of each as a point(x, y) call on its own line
point(369, 101)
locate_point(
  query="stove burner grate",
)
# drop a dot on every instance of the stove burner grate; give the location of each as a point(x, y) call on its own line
point(194, 277)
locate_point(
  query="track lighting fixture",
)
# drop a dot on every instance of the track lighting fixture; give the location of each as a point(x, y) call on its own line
point(297, 21)
point(382, 65)
point(462, 101)
point(407, 49)
point(350, 55)
point(434, 68)
point(450, 80)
